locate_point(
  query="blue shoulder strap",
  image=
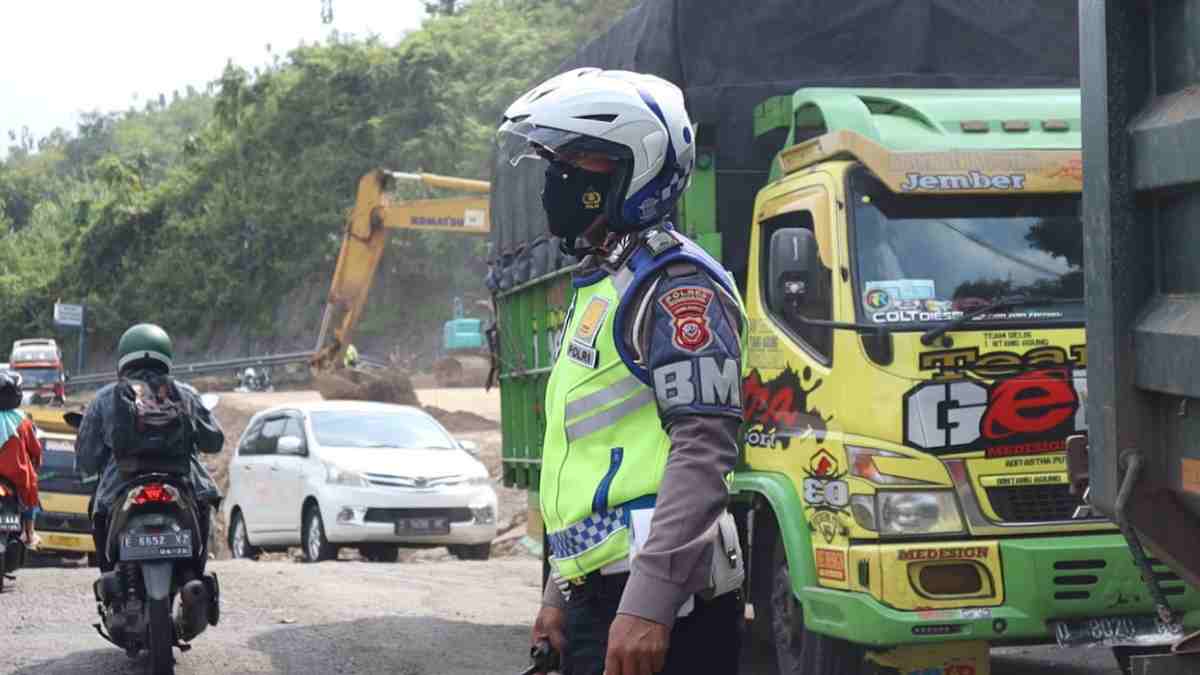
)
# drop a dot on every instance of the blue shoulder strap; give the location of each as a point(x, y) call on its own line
point(658, 247)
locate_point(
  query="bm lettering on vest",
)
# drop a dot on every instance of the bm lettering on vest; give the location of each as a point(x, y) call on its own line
point(677, 383)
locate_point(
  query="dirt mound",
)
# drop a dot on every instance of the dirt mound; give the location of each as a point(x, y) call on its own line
point(461, 420)
point(383, 386)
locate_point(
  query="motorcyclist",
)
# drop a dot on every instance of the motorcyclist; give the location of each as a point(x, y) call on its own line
point(145, 349)
point(20, 453)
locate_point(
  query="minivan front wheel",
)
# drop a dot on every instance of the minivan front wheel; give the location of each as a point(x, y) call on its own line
point(316, 547)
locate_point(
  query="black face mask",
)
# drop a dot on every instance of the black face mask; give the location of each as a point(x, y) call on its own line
point(573, 197)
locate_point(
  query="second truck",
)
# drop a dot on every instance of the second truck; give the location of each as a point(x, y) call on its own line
point(914, 362)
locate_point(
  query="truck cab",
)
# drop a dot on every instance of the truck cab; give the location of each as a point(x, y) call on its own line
point(40, 365)
point(914, 363)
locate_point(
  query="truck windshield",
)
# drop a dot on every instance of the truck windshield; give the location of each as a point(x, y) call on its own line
point(58, 472)
point(923, 259)
point(37, 377)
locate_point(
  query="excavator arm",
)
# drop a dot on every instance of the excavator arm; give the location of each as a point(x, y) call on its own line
point(371, 221)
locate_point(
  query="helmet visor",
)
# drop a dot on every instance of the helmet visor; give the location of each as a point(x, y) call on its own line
point(522, 141)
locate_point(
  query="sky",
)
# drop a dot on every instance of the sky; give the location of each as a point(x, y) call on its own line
point(62, 57)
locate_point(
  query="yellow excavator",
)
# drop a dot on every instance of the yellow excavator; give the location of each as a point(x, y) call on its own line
point(374, 216)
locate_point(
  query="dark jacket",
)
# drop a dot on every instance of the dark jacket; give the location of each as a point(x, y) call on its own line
point(93, 448)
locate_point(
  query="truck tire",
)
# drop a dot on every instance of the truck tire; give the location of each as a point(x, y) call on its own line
point(799, 651)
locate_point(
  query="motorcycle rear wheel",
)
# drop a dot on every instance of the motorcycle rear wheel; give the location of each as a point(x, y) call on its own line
point(161, 642)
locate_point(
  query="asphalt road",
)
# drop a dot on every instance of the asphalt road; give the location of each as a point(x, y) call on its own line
point(417, 618)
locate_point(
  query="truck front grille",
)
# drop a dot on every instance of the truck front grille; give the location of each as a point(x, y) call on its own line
point(1033, 503)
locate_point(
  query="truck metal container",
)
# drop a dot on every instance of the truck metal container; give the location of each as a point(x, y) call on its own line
point(1141, 139)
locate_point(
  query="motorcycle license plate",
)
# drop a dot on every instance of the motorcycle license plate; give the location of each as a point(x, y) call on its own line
point(156, 546)
point(426, 526)
point(10, 522)
point(1116, 631)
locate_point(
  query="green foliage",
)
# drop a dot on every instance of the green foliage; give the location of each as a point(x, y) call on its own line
point(199, 207)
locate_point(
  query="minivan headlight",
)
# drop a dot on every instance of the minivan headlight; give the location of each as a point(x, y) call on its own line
point(904, 512)
point(339, 476)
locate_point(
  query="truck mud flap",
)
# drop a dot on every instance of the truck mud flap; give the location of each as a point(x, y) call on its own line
point(157, 578)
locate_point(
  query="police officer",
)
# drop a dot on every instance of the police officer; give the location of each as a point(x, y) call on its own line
point(643, 404)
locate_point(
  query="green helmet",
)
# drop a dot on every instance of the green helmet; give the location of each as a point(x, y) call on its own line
point(145, 341)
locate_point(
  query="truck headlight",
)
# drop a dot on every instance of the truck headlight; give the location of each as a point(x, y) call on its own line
point(339, 476)
point(903, 512)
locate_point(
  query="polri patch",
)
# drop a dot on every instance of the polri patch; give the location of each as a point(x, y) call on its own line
point(688, 307)
point(582, 354)
point(590, 322)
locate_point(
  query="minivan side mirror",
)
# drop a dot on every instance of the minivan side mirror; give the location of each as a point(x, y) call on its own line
point(471, 447)
point(289, 445)
point(791, 264)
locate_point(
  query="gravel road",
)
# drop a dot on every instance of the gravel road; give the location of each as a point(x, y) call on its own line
point(417, 618)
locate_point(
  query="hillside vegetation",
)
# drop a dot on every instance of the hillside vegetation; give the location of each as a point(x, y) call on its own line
point(197, 208)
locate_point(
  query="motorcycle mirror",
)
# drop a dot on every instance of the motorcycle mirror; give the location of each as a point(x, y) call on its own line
point(209, 401)
point(73, 419)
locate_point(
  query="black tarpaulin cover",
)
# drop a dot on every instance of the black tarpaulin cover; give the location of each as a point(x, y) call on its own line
point(729, 56)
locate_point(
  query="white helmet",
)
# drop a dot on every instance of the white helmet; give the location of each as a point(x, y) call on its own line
point(635, 118)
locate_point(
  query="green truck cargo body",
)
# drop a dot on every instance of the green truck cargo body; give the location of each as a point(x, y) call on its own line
point(1141, 207)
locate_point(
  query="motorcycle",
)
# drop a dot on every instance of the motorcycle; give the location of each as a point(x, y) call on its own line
point(252, 380)
point(154, 539)
point(12, 548)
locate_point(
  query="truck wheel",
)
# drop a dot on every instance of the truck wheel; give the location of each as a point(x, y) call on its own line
point(799, 651)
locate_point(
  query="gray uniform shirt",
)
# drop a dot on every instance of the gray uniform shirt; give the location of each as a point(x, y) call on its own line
point(675, 560)
point(93, 448)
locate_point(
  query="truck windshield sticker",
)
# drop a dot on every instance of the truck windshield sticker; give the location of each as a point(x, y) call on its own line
point(777, 410)
point(1032, 404)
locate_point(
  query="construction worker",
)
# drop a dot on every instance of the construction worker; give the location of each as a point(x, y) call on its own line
point(643, 405)
point(350, 360)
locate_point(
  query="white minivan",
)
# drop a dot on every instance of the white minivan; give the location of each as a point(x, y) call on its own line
point(373, 476)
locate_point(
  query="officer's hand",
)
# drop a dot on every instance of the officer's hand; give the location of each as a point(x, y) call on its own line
point(551, 625)
point(636, 646)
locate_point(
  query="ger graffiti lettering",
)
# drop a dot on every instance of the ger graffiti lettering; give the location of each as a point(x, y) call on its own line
point(1034, 402)
point(778, 411)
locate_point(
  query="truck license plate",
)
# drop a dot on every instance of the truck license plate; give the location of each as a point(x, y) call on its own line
point(10, 522)
point(1116, 631)
point(426, 526)
point(156, 546)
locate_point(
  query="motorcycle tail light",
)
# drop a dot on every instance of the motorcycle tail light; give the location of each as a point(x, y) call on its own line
point(153, 493)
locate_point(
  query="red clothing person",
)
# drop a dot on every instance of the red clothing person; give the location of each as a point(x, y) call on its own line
point(20, 459)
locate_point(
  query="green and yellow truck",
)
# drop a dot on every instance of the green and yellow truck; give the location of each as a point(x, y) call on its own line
point(915, 359)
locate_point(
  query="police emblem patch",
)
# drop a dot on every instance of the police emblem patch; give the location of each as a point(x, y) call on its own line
point(688, 307)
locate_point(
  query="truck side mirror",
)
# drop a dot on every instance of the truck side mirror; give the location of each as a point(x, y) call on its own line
point(791, 263)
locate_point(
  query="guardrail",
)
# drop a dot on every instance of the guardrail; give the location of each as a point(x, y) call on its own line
point(203, 368)
point(206, 367)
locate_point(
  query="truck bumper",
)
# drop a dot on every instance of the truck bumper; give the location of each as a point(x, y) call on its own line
point(1044, 579)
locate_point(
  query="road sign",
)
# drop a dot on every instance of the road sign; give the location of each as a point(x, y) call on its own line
point(68, 315)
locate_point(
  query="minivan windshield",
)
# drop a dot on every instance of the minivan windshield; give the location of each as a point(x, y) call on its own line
point(375, 429)
point(924, 259)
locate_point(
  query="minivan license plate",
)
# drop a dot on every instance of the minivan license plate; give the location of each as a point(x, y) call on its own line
point(156, 546)
point(426, 526)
